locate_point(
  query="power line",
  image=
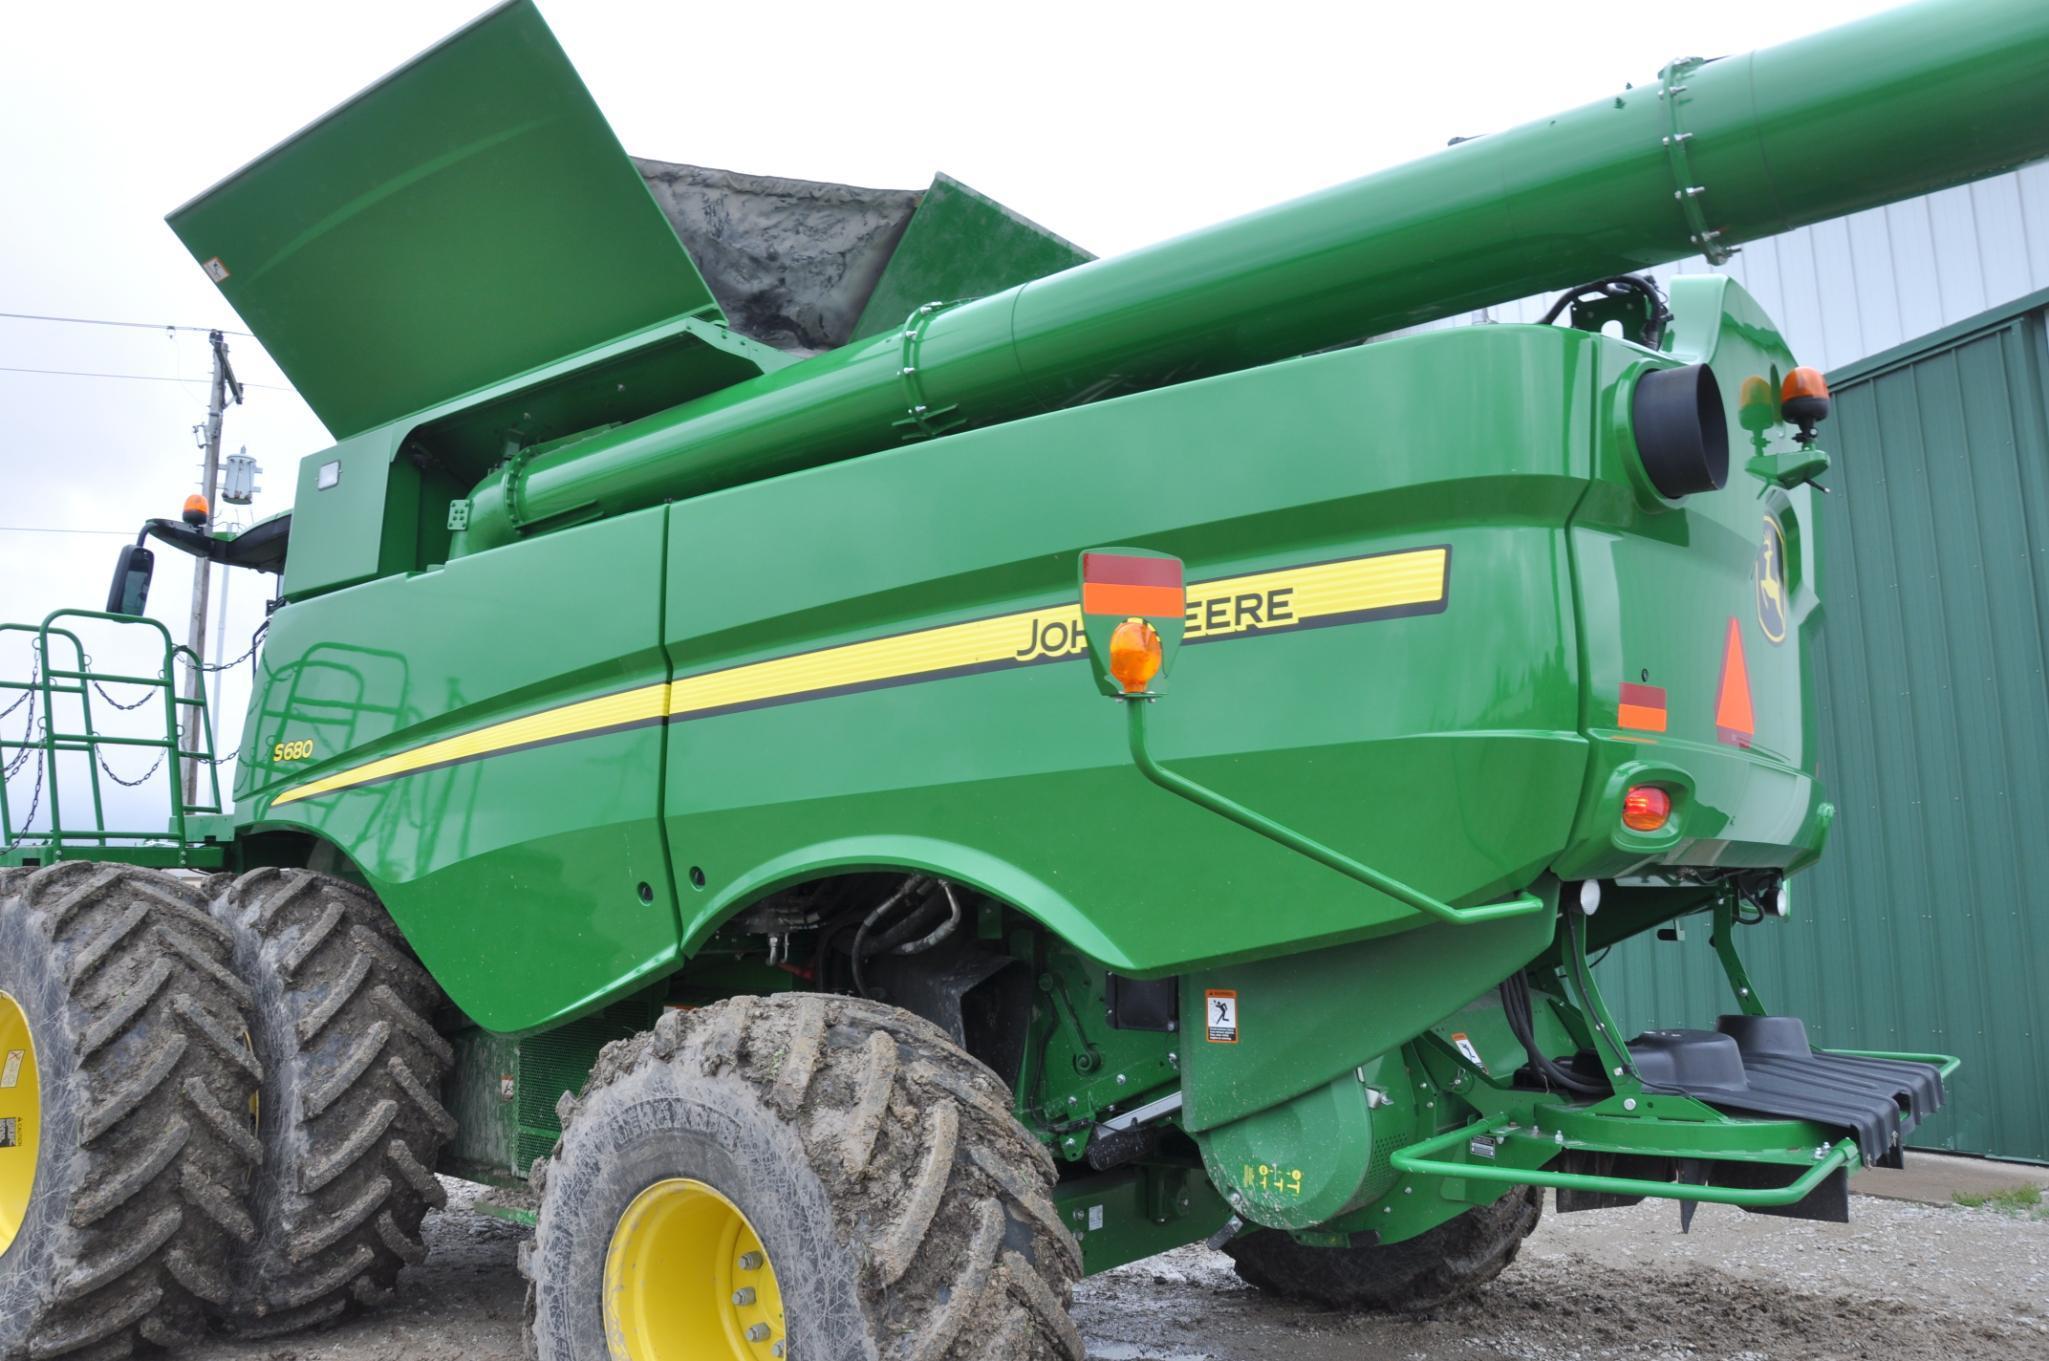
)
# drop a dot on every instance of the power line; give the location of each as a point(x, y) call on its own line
point(137, 325)
point(131, 377)
point(45, 529)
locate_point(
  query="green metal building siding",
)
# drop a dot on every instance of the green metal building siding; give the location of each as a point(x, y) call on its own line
point(1926, 926)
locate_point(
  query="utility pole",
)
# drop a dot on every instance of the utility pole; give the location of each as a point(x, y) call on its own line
point(224, 383)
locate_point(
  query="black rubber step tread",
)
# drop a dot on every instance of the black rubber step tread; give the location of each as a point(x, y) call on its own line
point(1764, 1065)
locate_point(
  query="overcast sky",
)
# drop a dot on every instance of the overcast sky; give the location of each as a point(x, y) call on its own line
point(1114, 124)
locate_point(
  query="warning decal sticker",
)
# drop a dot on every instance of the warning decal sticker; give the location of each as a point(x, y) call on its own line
point(1735, 720)
point(1465, 1046)
point(1220, 1016)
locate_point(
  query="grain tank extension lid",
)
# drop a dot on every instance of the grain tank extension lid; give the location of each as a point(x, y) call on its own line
point(467, 218)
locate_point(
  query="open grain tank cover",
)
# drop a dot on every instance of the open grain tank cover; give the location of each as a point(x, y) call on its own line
point(807, 265)
point(467, 218)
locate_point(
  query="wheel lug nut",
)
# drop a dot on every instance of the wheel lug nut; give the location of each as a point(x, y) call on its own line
point(744, 1295)
point(758, 1333)
point(750, 1261)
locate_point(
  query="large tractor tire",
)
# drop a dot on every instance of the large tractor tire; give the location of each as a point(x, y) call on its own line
point(1456, 1258)
point(812, 1177)
point(125, 1082)
point(350, 1118)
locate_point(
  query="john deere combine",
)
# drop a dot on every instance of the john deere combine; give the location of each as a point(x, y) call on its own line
point(712, 771)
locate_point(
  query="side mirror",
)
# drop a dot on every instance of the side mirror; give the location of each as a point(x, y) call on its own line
point(132, 570)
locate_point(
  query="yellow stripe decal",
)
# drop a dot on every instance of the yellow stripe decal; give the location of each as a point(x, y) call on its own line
point(646, 704)
point(1386, 585)
point(1262, 602)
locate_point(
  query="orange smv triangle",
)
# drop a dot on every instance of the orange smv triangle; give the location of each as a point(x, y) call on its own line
point(1734, 721)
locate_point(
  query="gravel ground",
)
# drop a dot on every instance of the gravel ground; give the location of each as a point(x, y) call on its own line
point(1613, 1285)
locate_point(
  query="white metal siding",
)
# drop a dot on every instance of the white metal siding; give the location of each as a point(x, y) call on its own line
point(1847, 289)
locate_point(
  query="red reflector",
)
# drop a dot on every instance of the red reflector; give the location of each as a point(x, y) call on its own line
point(1735, 720)
point(1118, 583)
point(1646, 808)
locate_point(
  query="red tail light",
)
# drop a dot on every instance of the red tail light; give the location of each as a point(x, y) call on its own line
point(1646, 808)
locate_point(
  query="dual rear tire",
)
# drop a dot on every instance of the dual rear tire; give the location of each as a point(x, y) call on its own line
point(218, 1101)
point(125, 1088)
point(351, 1120)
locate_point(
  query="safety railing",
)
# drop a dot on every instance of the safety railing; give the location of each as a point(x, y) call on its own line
point(59, 697)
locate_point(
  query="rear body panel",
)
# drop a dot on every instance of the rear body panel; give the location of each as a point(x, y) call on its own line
point(1700, 622)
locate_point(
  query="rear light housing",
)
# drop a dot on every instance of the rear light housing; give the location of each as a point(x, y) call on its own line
point(1647, 808)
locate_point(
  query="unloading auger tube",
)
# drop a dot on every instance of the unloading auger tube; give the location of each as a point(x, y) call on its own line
point(1710, 155)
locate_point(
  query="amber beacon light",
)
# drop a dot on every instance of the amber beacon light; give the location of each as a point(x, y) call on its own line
point(1135, 655)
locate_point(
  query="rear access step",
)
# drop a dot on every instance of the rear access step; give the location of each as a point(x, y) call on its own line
point(1747, 1114)
point(1763, 1065)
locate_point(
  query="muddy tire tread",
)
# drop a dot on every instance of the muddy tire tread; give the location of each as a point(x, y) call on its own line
point(1455, 1259)
point(933, 1184)
point(147, 990)
point(355, 1093)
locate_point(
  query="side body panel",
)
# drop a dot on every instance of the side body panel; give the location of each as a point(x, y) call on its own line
point(876, 665)
point(517, 875)
point(1436, 739)
point(1381, 654)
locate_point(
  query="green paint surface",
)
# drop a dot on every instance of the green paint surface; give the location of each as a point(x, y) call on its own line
point(961, 244)
point(469, 217)
point(1467, 751)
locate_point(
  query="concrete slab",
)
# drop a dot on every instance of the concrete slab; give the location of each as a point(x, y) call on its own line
point(1937, 1179)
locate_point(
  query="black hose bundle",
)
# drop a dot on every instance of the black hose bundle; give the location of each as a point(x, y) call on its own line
point(914, 934)
point(1517, 1006)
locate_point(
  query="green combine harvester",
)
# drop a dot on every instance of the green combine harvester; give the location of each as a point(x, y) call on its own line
point(712, 772)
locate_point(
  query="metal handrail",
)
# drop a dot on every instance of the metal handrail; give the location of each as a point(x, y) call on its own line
point(1945, 1065)
point(1421, 1160)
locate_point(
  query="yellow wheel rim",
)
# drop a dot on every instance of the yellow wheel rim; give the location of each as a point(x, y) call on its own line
point(21, 1118)
point(686, 1279)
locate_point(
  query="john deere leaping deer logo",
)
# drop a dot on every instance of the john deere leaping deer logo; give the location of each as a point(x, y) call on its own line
point(1771, 581)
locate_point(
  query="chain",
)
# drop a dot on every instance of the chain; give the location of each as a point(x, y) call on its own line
point(13, 767)
point(130, 784)
point(28, 735)
point(255, 641)
point(35, 801)
point(86, 664)
point(117, 703)
point(35, 671)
